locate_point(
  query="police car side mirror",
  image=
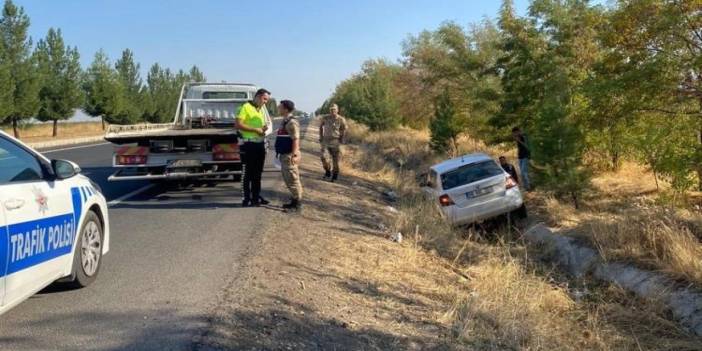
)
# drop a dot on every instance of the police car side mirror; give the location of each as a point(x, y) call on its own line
point(64, 169)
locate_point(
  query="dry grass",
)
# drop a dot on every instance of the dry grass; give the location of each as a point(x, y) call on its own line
point(43, 131)
point(659, 242)
point(629, 217)
point(513, 301)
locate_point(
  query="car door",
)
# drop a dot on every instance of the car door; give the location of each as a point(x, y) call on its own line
point(40, 221)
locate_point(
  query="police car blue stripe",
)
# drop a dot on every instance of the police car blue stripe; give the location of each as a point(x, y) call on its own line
point(33, 242)
point(82, 191)
point(77, 205)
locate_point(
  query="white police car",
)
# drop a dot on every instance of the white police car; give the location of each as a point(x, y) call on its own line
point(53, 223)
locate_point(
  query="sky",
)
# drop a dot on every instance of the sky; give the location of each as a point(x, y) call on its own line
point(298, 50)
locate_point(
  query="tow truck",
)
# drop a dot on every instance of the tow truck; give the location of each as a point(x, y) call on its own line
point(201, 143)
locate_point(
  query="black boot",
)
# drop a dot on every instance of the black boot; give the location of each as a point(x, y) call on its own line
point(263, 201)
point(292, 204)
point(334, 177)
point(327, 174)
point(246, 203)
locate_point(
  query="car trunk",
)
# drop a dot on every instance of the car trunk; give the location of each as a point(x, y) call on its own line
point(474, 183)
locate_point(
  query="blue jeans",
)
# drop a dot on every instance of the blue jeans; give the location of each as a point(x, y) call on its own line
point(524, 172)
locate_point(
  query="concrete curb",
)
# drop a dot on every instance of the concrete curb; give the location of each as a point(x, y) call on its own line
point(579, 260)
point(65, 142)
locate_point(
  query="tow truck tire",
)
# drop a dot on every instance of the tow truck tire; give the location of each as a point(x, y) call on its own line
point(87, 257)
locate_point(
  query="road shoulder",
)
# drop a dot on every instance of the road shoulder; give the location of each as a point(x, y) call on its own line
point(331, 279)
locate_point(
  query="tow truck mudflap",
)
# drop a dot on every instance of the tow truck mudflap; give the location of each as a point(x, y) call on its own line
point(117, 176)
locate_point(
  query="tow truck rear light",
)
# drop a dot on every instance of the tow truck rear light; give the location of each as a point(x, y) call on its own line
point(445, 200)
point(510, 183)
point(225, 152)
point(131, 155)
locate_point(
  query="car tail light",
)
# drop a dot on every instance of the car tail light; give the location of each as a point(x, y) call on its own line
point(131, 155)
point(510, 183)
point(225, 152)
point(445, 200)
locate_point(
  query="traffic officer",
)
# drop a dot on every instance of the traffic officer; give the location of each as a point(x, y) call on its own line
point(332, 131)
point(287, 147)
point(252, 126)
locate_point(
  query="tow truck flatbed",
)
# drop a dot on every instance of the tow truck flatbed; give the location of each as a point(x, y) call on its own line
point(127, 137)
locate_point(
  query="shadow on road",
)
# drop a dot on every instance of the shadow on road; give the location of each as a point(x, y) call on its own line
point(114, 330)
point(293, 326)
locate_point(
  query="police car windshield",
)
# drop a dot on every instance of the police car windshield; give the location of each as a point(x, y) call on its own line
point(470, 173)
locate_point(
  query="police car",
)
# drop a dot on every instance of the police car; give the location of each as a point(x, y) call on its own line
point(53, 223)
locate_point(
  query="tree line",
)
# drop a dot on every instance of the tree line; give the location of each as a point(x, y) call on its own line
point(46, 80)
point(590, 84)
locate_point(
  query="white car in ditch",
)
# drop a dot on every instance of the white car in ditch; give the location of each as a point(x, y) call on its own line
point(53, 223)
point(473, 188)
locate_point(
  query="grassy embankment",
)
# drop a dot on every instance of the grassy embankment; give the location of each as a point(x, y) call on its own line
point(514, 299)
point(43, 131)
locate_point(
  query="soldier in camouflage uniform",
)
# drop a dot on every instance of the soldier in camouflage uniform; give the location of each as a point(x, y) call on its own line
point(287, 147)
point(332, 131)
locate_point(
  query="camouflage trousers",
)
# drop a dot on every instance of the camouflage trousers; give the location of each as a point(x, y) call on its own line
point(291, 176)
point(331, 156)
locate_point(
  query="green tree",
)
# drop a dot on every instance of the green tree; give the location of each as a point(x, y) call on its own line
point(6, 98)
point(547, 58)
point(196, 75)
point(519, 69)
point(462, 59)
point(163, 89)
point(60, 93)
point(369, 96)
point(105, 95)
point(656, 48)
point(130, 79)
point(445, 126)
point(22, 81)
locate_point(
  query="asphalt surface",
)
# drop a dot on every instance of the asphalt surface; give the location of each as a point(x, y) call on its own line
point(172, 253)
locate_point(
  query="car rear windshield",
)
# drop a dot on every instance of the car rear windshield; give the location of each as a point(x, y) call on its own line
point(470, 173)
point(225, 95)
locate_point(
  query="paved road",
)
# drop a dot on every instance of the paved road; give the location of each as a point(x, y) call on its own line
point(172, 252)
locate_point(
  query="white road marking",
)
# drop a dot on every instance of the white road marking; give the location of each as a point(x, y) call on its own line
point(72, 148)
point(129, 195)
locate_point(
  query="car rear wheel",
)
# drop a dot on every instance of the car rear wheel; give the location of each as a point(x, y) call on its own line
point(88, 251)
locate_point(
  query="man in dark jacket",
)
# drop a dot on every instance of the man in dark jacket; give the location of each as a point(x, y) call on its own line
point(523, 154)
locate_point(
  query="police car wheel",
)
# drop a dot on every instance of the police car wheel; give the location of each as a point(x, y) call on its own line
point(88, 255)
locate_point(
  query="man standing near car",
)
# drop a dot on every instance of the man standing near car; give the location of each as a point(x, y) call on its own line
point(332, 131)
point(251, 123)
point(523, 155)
point(287, 148)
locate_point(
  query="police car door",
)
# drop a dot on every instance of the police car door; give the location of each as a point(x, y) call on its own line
point(39, 217)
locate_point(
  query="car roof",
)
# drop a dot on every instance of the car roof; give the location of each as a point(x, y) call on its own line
point(454, 163)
